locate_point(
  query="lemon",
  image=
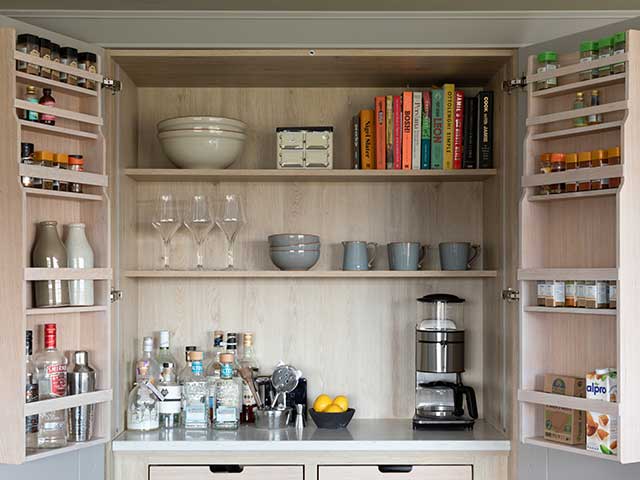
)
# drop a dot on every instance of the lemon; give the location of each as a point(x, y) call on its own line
point(333, 408)
point(321, 403)
point(342, 402)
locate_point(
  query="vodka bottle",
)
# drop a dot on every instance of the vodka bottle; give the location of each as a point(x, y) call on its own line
point(169, 407)
point(228, 396)
point(31, 395)
point(152, 372)
point(248, 360)
point(194, 395)
point(51, 370)
point(164, 354)
point(212, 371)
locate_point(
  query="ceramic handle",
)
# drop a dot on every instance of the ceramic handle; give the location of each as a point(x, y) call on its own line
point(373, 246)
point(423, 253)
point(476, 251)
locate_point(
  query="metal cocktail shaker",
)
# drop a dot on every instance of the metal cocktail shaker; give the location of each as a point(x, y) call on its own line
point(82, 379)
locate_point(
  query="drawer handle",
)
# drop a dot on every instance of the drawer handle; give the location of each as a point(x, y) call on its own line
point(226, 468)
point(395, 468)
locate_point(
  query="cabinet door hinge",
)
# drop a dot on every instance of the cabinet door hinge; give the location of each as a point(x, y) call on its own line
point(510, 85)
point(511, 295)
point(115, 295)
point(111, 84)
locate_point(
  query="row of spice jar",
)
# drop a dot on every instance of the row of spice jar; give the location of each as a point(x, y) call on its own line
point(560, 162)
point(589, 51)
point(45, 158)
point(577, 294)
point(44, 48)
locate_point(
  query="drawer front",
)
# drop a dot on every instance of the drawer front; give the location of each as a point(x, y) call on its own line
point(226, 472)
point(395, 472)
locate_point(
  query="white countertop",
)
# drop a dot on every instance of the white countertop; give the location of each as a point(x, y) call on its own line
point(360, 435)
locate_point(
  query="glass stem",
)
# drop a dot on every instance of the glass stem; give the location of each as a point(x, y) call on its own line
point(199, 256)
point(230, 254)
point(166, 248)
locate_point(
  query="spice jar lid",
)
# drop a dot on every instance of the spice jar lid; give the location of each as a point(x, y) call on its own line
point(26, 149)
point(613, 152)
point(76, 160)
point(620, 37)
point(61, 157)
point(548, 56)
point(584, 156)
point(55, 47)
point(588, 46)
point(605, 42)
point(87, 56)
point(27, 38)
point(545, 157)
point(597, 154)
point(571, 157)
point(45, 43)
point(68, 52)
point(557, 157)
point(43, 155)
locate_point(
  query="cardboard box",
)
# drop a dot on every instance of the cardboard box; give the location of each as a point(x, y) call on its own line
point(564, 425)
point(564, 385)
point(602, 429)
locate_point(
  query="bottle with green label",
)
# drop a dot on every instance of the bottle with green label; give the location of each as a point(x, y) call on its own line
point(619, 47)
point(547, 61)
point(605, 49)
point(588, 53)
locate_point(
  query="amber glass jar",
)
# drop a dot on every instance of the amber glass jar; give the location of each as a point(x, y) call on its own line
point(545, 167)
point(571, 161)
point(613, 158)
point(584, 161)
point(598, 159)
point(557, 165)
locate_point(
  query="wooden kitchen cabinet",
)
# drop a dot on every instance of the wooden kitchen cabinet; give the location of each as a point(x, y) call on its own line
point(406, 472)
point(226, 472)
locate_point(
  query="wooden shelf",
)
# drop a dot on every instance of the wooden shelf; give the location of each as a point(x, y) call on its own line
point(577, 175)
point(65, 132)
point(581, 85)
point(565, 401)
point(85, 178)
point(530, 274)
point(38, 192)
point(34, 274)
point(71, 447)
point(573, 195)
point(25, 57)
point(65, 310)
point(580, 450)
point(58, 112)
point(577, 131)
point(274, 175)
point(29, 79)
point(576, 67)
point(581, 112)
point(611, 312)
point(44, 406)
point(308, 274)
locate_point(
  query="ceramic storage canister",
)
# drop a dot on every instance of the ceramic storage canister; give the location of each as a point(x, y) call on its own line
point(49, 252)
point(80, 255)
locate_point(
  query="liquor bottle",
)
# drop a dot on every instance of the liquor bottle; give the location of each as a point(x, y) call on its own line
point(232, 348)
point(31, 395)
point(228, 396)
point(169, 407)
point(152, 372)
point(212, 372)
point(248, 360)
point(51, 370)
point(164, 353)
point(186, 370)
point(194, 395)
point(142, 406)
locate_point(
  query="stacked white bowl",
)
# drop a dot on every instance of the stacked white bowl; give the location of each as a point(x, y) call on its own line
point(202, 142)
point(294, 251)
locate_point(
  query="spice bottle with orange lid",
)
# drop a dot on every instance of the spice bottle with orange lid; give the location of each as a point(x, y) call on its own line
point(557, 165)
point(584, 161)
point(613, 158)
point(571, 161)
point(545, 167)
point(598, 159)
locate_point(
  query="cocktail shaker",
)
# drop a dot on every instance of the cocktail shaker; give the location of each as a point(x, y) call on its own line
point(82, 379)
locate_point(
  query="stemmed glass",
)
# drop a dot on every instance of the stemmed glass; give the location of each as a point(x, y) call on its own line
point(230, 221)
point(166, 220)
point(200, 220)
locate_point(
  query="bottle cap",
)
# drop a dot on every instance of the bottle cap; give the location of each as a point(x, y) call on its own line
point(557, 157)
point(31, 89)
point(217, 338)
point(29, 342)
point(620, 37)
point(588, 46)
point(226, 358)
point(26, 149)
point(613, 152)
point(545, 157)
point(147, 344)
point(547, 56)
point(43, 155)
point(50, 335)
point(247, 339)
point(595, 92)
point(597, 154)
point(195, 356)
point(571, 157)
point(605, 42)
point(81, 357)
point(584, 156)
point(168, 365)
point(76, 160)
point(61, 158)
point(164, 338)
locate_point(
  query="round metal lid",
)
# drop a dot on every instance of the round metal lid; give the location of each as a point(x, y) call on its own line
point(440, 297)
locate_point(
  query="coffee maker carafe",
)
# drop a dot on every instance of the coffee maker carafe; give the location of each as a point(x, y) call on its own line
point(440, 394)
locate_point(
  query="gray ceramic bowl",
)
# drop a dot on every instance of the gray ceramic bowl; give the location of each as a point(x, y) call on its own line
point(302, 246)
point(287, 239)
point(294, 259)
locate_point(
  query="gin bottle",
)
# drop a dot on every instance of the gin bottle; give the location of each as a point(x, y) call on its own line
point(31, 395)
point(228, 396)
point(165, 355)
point(51, 371)
point(248, 360)
point(152, 370)
point(186, 370)
point(142, 406)
point(212, 371)
point(169, 407)
point(194, 395)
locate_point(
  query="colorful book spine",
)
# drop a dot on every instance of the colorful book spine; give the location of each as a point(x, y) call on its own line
point(416, 130)
point(407, 125)
point(449, 112)
point(381, 135)
point(425, 141)
point(437, 128)
point(367, 140)
point(485, 130)
point(355, 133)
point(397, 132)
point(458, 115)
point(470, 132)
point(389, 131)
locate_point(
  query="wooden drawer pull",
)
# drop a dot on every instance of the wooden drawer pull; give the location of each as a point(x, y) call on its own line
point(226, 468)
point(395, 468)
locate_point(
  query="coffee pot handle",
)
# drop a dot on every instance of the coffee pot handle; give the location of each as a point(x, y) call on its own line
point(373, 246)
point(472, 405)
point(476, 252)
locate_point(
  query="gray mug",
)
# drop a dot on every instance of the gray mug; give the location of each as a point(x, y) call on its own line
point(405, 255)
point(457, 255)
point(356, 255)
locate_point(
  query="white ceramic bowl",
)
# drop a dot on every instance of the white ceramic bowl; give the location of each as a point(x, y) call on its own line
point(202, 123)
point(295, 259)
point(208, 149)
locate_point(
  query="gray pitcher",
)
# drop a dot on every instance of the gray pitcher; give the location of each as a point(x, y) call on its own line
point(49, 252)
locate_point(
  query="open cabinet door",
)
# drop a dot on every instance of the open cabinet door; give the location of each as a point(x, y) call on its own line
point(579, 236)
point(73, 196)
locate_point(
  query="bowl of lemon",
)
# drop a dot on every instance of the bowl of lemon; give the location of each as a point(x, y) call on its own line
point(330, 412)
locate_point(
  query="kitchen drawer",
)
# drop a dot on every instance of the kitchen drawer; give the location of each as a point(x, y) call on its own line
point(226, 472)
point(395, 472)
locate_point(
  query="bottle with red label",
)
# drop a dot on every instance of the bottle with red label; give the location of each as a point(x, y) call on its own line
point(51, 371)
point(48, 101)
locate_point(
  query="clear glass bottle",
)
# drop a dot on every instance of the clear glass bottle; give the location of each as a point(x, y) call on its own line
point(31, 395)
point(228, 396)
point(619, 47)
point(232, 348)
point(547, 61)
point(152, 370)
point(605, 49)
point(31, 96)
point(594, 118)
point(164, 353)
point(169, 408)
point(186, 370)
point(577, 104)
point(142, 406)
point(248, 360)
point(194, 395)
point(51, 370)
point(212, 372)
point(588, 53)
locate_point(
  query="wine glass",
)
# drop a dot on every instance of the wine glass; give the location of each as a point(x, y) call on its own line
point(200, 220)
point(166, 220)
point(230, 221)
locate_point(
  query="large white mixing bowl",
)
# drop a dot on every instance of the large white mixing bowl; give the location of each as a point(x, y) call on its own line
point(202, 123)
point(202, 149)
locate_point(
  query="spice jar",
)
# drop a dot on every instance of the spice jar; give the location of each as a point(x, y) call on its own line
point(590, 294)
point(605, 49)
point(69, 57)
point(613, 158)
point(602, 294)
point(584, 161)
point(588, 52)
point(26, 158)
point(594, 118)
point(540, 293)
point(613, 294)
point(558, 294)
point(581, 299)
point(76, 163)
point(45, 54)
point(44, 158)
point(55, 57)
point(557, 165)
point(87, 61)
point(548, 293)
point(571, 161)
point(29, 44)
point(545, 167)
point(578, 103)
point(598, 159)
point(619, 47)
point(547, 61)
point(32, 97)
point(63, 163)
point(570, 294)
point(48, 101)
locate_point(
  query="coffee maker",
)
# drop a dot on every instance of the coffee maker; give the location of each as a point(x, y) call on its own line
point(440, 393)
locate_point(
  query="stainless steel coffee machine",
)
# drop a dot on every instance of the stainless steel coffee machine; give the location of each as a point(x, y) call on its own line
point(440, 393)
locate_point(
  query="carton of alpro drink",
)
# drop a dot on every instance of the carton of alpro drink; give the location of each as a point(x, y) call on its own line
point(602, 429)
